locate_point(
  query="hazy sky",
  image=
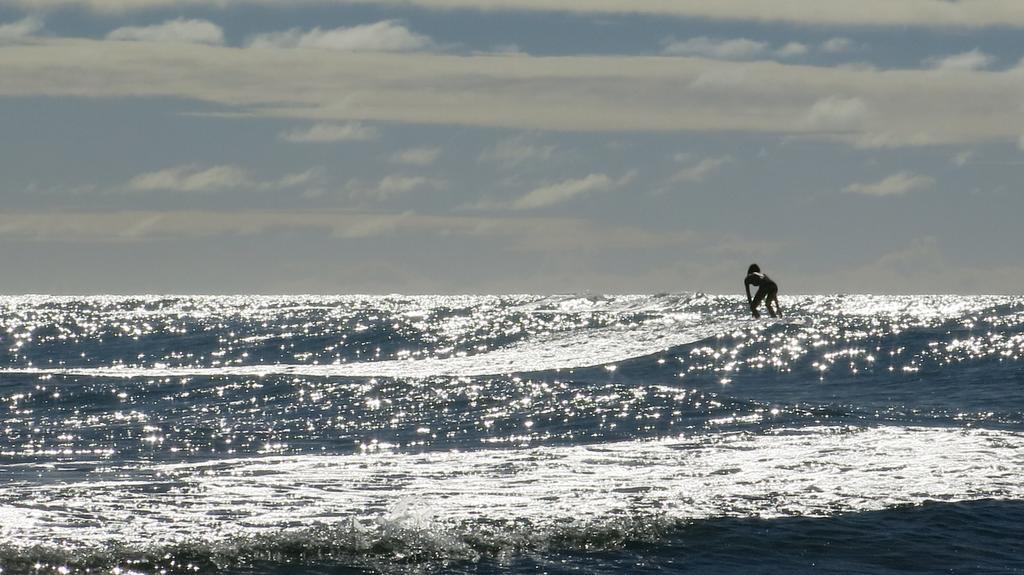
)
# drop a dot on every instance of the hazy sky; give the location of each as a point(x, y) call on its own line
point(495, 146)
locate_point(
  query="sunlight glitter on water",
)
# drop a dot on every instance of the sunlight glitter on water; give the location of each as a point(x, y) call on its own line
point(840, 469)
point(433, 335)
point(249, 379)
point(437, 420)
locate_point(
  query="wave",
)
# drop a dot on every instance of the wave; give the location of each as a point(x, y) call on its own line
point(461, 505)
point(587, 461)
point(425, 336)
point(987, 539)
point(545, 352)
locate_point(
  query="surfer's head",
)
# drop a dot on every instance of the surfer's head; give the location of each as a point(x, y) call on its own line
point(754, 268)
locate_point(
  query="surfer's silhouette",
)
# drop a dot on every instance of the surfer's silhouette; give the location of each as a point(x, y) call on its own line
point(767, 290)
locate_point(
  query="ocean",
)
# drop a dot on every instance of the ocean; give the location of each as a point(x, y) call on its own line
point(666, 433)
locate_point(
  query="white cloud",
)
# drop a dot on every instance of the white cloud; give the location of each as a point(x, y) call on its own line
point(923, 254)
point(197, 179)
point(861, 106)
point(416, 156)
point(973, 60)
point(178, 31)
point(889, 140)
point(563, 192)
point(393, 186)
point(836, 45)
point(894, 185)
point(919, 267)
point(792, 50)
point(24, 28)
point(962, 158)
point(281, 40)
point(506, 49)
point(324, 133)
point(735, 49)
point(385, 36)
point(963, 13)
point(312, 177)
point(701, 169)
point(731, 49)
point(836, 113)
point(527, 233)
point(191, 179)
point(512, 152)
point(914, 268)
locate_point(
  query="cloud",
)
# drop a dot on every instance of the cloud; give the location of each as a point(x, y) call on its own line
point(416, 156)
point(393, 186)
point(836, 45)
point(971, 13)
point(197, 179)
point(736, 49)
point(191, 179)
point(563, 192)
point(506, 49)
point(894, 185)
point(700, 170)
point(731, 49)
point(963, 158)
point(312, 177)
point(921, 256)
point(396, 185)
point(863, 107)
point(973, 60)
point(836, 113)
point(177, 31)
point(20, 30)
point(385, 36)
point(520, 233)
point(1020, 143)
point(918, 267)
point(792, 50)
point(325, 132)
point(512, 152)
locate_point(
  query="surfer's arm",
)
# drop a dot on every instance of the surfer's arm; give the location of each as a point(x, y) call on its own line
point(750, 301)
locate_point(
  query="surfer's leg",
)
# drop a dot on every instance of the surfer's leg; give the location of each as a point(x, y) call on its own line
point(772, 303)
point(758, 297)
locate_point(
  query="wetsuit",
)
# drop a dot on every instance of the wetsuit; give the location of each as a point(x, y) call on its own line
point(766, 288)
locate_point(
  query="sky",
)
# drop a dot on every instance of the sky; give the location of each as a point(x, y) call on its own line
point(510, 146)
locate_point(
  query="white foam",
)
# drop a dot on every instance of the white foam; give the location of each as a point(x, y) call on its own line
point(808, 472)
point(557, 351)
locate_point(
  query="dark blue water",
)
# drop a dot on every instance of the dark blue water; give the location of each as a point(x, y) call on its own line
point(511, 434)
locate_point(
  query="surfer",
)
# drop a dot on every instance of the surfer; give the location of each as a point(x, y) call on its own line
point(767, 290)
